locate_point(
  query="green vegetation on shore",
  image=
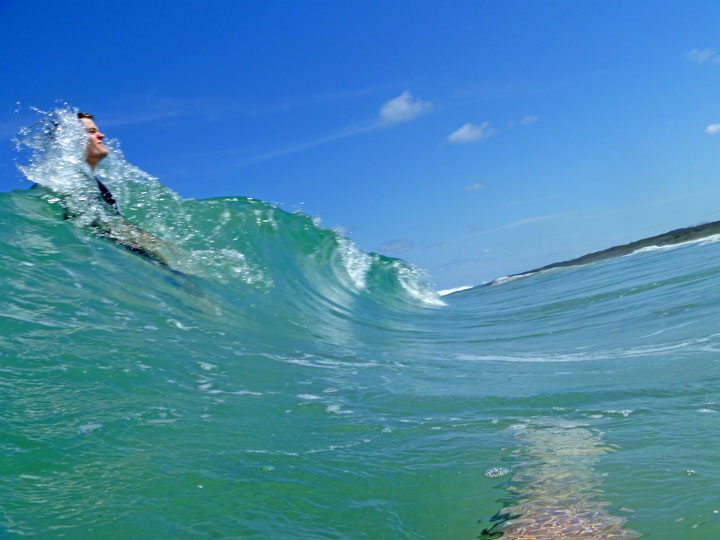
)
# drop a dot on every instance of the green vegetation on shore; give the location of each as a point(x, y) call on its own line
point(678, 236)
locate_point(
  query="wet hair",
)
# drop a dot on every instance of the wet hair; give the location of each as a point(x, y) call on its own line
point(50, 128)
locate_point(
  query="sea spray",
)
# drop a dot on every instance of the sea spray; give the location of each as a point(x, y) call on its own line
point(226, 239)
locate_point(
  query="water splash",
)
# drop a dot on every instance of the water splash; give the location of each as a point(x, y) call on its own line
point(226, 240)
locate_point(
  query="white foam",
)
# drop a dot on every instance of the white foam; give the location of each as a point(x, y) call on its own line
point(336, 409)
point(207, 366)
point(594, 356)
point(356, 262)
point(415, 284)
point(623, 412)
point(445, 292)
point(87, 428)
point(496, 472)
point(498, 358)
point(508, 279)
point(337, 447)
point(704, 240)
point(179, 325)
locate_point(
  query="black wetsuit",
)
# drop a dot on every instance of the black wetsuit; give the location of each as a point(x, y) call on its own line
point(104, 192)
point(110, 200)
point(107, 196)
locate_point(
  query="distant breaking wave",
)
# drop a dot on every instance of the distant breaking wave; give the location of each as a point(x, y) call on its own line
point(707, 232)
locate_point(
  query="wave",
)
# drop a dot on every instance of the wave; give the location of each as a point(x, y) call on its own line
point(272, 364)
point(446, 292)
point(250, 250)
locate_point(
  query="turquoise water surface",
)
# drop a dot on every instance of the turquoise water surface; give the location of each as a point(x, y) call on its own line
point(282, 383)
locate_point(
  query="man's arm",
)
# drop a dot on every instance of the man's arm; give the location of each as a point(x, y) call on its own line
point(126, 233)
point(130, 236)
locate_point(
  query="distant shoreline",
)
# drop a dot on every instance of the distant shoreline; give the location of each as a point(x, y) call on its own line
point(677, 236)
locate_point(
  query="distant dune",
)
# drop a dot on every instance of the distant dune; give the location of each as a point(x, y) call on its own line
point(678, 236)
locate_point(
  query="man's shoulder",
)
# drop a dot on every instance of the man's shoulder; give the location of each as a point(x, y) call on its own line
point(107, 196)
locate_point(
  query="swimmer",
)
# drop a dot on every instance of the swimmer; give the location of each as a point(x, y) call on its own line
point(118, 230)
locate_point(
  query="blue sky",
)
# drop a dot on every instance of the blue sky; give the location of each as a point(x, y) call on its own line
point(475, 139)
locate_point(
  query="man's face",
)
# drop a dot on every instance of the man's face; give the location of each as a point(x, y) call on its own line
point(96, 149)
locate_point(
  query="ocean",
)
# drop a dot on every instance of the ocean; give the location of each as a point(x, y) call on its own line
point(276, 381)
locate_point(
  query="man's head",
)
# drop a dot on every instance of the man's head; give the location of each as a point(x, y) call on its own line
point(96, 149)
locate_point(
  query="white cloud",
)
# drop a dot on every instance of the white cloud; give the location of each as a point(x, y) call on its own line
point(403, 108)
point(713, 129)
point(470, 133)
point(701, 56)
point(474, 187)
point(529, 119)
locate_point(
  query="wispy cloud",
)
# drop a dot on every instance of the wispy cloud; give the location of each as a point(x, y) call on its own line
point(509, 90)
point(526, 221)
point(474, 187)
point(529, 120)
point(713, 129)
point(403, 108)
point(399, 109)
point(454, 264)
point(341, 134)
point(434, 245)
point(146, 108)
point(514, 224)
point(470, 133)
point(475, 226)
point(397, 246)
point(700, 56)
point(532, 201)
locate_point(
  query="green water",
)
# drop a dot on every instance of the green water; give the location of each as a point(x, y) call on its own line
point(286, 384)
